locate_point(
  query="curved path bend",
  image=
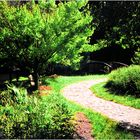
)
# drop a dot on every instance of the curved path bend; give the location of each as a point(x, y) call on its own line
point(80, 93)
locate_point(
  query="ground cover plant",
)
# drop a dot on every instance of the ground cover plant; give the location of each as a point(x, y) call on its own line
point(23, 116)
point(125, 81)
point(102, 127)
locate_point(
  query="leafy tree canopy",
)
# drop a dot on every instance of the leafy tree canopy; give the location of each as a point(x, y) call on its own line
point(34, 35)
point(117, 24)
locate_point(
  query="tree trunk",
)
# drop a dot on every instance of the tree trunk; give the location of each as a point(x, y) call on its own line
point(35, 74)
point(36, 80)
point(10, 77)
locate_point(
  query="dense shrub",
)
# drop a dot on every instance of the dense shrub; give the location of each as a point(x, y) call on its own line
point(125, 80)
point(44, 117)
point(136, 58)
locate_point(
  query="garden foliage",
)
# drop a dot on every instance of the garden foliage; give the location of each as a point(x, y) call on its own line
point(125, 80)
point(22, 116)
point(117, 24)
point(136, 59)
point(36, 35)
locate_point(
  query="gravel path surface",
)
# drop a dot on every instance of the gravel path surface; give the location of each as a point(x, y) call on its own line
point(80, 93)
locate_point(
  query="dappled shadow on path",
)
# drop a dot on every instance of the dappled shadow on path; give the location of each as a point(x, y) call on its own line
point(134, 129)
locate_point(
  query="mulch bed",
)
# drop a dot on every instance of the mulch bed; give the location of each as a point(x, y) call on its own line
point(54, 76)
point(83, 127)
point(44, 90)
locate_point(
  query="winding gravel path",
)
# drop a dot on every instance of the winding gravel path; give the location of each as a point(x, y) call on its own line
point(80, 93)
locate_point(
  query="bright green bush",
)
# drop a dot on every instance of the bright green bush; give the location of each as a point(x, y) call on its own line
point(125, 81)
point(38, 117)
point(34, 39)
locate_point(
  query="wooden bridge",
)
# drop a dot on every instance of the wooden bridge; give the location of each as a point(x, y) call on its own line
point(101, 67)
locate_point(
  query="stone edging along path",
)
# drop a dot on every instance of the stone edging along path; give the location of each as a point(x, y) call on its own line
point(81, 94)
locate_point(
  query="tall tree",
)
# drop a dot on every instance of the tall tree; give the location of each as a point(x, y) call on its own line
point(117, 23)
point(34, 35)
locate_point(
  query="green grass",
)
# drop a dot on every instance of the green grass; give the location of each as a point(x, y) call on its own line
point(62, 81)
point(128, 100)
point(102, 127)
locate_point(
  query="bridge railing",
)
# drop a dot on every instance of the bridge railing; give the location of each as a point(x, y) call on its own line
point(101, 66)
point(116, 65)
